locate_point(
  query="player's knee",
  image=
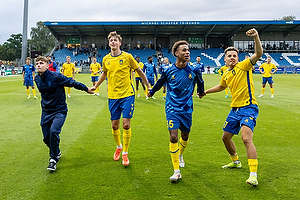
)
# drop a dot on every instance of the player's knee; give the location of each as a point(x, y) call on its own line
point(247, 140)
point(126, 126)
point(115, 126)
point(173, 138)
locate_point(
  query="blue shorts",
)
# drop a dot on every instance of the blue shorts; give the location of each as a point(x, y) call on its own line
point(182, 122)
point(151, 80)
point(138, 79)
point(95, 78)
point(241, 116)
point(118, 106)
point(28, 81)
point(267, 79)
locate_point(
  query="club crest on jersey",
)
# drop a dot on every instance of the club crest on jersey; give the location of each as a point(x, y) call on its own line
point(190, 76)
point(246, 121)
point(108, 63)
point(121, 62)
point(173, 77)
point(233, 72)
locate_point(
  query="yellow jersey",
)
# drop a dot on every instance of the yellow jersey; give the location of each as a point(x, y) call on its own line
point(140, 65)
point(240, 83)
point(95, 67)
point(222, 70)
point(267, 68)
point(119, 77)
point(68, 69)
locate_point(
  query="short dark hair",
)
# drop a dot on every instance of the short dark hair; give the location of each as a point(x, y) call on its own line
point(231, 49)
point(177, 44)
point(149, 57)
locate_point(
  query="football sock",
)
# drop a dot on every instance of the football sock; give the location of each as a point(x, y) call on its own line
point(272, 91)
point(146, 91)
point(182, 145)
point(174, 151)
point(33, 91)
point(235, 158)
point(69, 90)
point(226, 91)
point(263, 90)
point(97, 90)
point(126, 139)
point(137, 91)
point(28, 93)
point(116, 134)
point(253, 165)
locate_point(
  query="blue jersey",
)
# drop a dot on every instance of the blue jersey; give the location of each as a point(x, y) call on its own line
point(180, 87)
point(163, 67)
point(150, 70)
point(28, 69)
point(51, 86)
point(200, 65)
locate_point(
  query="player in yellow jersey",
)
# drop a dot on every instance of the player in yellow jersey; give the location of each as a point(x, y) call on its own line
point(95, 68)
point(266, 70)
point(221, 72)
point(68, 70)
point(117, 67)
point(244, 109)
point(138, 78)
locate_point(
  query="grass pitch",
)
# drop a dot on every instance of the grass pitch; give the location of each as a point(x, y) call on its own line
point(87, 169)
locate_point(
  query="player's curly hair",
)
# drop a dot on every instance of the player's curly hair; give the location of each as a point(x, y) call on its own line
point(41, 58)
point(177, 44)
point(114, 34)
point(231, 49)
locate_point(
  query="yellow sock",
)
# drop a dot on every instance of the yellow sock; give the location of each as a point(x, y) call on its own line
point(65, 89)
point(69, 90)
point(253, 165)
point(116, 134)
point(33, 91)
point(137, 91)
point(226, 91)
point(146, 92)
point(28, 93)
point(126, 139)
point(234, 157)
point(174, 151)
point(182, 145)
point(164, 94)
point(97, 90)
point(263, 90)
point(272, 91)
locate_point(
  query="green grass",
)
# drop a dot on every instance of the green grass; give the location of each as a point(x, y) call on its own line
point(87, 170)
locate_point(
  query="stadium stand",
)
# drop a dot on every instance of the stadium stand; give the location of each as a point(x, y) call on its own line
point(286, 62)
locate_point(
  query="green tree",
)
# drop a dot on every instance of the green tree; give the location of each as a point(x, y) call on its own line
point(41, 38)
point(11, 49)
point(288, 18)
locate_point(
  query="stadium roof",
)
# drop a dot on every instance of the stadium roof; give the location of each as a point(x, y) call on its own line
point(224, 29)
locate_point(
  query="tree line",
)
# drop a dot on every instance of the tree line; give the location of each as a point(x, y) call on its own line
point(41, 40)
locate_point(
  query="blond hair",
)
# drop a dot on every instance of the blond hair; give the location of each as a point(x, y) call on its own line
point(42, 58)
point(114, 34)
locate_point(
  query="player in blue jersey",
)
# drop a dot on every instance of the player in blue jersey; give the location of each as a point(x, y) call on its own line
point(166, 64)
point(180, 78)
point(198, 63)
point(28, 77)
point(150, 71)
point(54, 107)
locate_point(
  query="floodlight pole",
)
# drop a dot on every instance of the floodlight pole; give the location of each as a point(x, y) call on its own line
point(24, 34)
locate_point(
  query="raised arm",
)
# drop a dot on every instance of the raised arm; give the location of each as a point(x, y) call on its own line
point(258, 48)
